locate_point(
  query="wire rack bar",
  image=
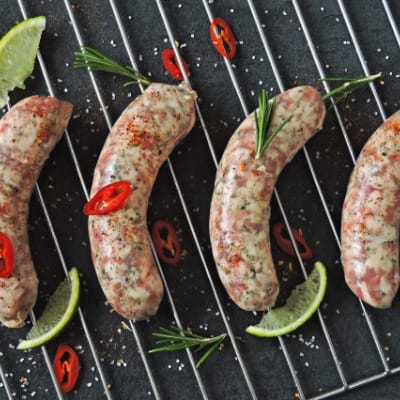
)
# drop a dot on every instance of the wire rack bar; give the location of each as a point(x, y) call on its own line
point(392, 21)
point(378, 101)
point(53, 233)
point(5, 383)
point(109, 126)
point(194, 234)
point(360, 56)
point(281, 87)
point(189, 353)
point(387, 371)
point(351, 151)
point(276, 194)
point(278, 78)
point(46, 356)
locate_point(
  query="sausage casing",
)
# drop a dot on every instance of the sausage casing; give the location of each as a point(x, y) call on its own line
point(139, 142)
point(28, 133)
point(371, 218)
point(240, 207)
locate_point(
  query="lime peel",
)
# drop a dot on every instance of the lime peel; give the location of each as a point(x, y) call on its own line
point(18, 50)
point(57, 314)
point(300, 306)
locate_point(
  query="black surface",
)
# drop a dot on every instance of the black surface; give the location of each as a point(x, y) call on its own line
point(27, 373)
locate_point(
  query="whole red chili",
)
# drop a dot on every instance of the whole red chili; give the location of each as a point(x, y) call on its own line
point(108, 199)
point(6, 256)
point(223, 38)
point(166, 242)
point(170, 63)
point(280, 234)
point(66, 367)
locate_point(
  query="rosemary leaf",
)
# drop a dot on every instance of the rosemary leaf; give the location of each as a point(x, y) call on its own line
point(177, 339)
point(263, 118)
point(348, 87)
point(97, 61)
point(207, 353)
point(274, 133)
point(172, 347)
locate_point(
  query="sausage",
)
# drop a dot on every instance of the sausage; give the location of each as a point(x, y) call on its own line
point(240, 206)
point(28, 133)
point(139, 142)
point(371, 218)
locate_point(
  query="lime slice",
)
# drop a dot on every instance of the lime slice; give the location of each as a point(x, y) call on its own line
point(18, 49)
point(302, 303)
point(58, 312)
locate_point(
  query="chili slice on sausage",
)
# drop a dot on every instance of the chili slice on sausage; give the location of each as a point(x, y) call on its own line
point(166, 242)
point(109, 198)
point(171, 64)
point(223, 38)
point(6, 256)
point(280, 234)
point(66, 367)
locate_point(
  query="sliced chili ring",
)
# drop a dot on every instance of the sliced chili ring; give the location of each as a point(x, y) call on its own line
point(171, 64)
point(66, 367)
point(223, 38)
point(109, 198)
point(166, 242)
point(7, 256)
point(281, 236)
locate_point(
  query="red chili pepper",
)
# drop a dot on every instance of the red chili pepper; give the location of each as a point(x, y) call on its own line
point(281, 236)
point(66, 367)
point(6, 256)
point(223, 38)
point(166, 242)
point(108, 199)
point(170, 63)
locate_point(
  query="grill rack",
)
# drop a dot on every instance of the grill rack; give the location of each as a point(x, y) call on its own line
point(346, 384)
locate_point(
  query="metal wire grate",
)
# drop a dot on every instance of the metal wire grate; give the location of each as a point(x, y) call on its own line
point(240, 362)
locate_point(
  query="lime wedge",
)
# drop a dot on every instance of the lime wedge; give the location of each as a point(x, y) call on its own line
point(58, 312)
point(302, 303)
point(18, 50)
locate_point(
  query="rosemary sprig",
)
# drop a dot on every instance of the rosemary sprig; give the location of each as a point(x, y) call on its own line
point(176, 338)
point(263, 119)
point(348, 87)
point(267, 107)
point(97, 61)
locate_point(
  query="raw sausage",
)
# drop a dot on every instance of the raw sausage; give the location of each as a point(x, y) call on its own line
point(139, 142)
point(28, 133)
point(371, 218)
point(240, 207)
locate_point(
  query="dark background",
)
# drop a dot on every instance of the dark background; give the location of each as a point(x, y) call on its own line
point(27, 374)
